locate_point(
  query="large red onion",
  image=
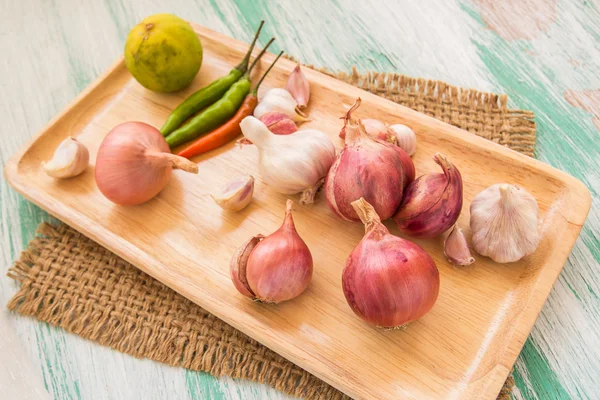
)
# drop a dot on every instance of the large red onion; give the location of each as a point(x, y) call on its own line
point(388, 281)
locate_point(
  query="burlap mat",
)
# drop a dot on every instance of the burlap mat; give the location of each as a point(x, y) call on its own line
point(70, 281)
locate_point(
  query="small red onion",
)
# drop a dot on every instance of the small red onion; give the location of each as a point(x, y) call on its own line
point(388, 281)
point(275, 268)
point(432, 203)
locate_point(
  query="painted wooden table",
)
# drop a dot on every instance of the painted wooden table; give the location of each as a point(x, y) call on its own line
point(544, 54)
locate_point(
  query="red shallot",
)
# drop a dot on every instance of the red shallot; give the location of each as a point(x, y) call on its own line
point(432, 203)
point(275, 268)
point(388, 281)
point(369, 168)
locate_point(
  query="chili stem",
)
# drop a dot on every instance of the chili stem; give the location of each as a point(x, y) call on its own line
point(255, 90)
point(243, 65)
point(259, 55)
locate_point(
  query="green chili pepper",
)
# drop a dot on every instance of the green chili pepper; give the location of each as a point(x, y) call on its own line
point(208, 94)
point(218, 113)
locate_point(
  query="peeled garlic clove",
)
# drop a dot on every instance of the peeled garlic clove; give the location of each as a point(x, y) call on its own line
point(403, 137)
point(279, 123)
point(236, 195)
point(504, 223)
point(456, 248)
point(297, 85)
point(70, 159)
point(279, 100)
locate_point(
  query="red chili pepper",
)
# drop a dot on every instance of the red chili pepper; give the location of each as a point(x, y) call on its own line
point(229, 130)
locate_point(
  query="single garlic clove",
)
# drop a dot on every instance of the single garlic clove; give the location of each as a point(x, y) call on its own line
point(279, 123)
point(504, 223)
point(403, 137)
point(456, 248)
point(236, 195)
point(298, 86)
point(70, 159)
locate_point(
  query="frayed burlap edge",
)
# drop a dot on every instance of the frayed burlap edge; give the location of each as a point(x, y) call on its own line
point(61, 291)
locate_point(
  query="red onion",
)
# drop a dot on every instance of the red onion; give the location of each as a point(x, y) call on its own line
point(432, 203)
point(134, 163)
point(369, 168)
point(388, 281)
point(275, 268)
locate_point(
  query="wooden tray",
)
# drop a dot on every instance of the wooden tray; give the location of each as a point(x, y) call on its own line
point(464, 348)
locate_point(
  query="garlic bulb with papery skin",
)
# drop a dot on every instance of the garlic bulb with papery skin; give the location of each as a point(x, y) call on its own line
point(275, 268)
point(236, 195)
point(297, 85)
point(456, 248)
point(403, 137)
point(369, 168)
point(504, 223)
point(291, 163)
point(70, 159)
point(134, 163)
point(388, 281)
point(432, 203)
point(279, 100)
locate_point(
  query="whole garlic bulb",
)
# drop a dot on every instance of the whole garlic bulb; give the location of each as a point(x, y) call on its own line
point(292, 163)
point(504, 223)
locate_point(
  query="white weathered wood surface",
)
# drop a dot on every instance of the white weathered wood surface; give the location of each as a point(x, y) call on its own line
point(544, 54)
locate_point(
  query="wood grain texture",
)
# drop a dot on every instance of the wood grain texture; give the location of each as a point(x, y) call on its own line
point(184, 240)
point(54, 50)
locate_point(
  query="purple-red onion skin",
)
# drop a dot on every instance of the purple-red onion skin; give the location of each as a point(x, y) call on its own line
point(370, 168)
point(237, 267)
point(280, 267)
point(407, 165)
point(389, 281)
point(431, 203)
point(275, 268)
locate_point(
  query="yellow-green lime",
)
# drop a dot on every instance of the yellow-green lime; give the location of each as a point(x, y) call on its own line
point(163, 53)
